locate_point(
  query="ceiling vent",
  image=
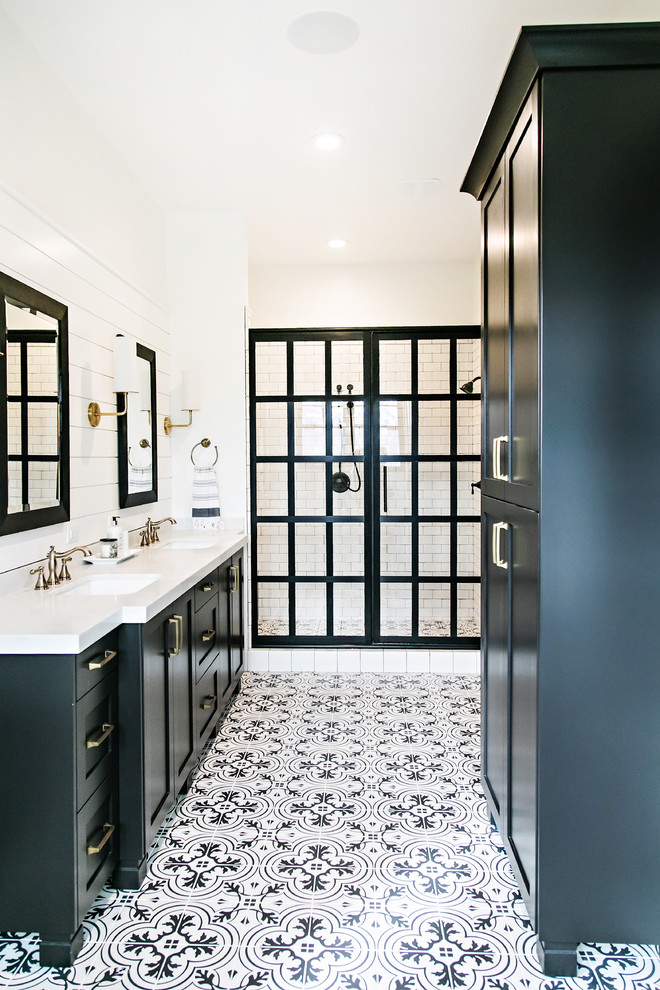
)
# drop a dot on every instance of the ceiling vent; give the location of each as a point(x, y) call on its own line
point(323, 32)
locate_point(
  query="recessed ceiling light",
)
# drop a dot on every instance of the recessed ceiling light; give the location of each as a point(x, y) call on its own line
point(337, 242)
point(323, 32)
point(327, 142)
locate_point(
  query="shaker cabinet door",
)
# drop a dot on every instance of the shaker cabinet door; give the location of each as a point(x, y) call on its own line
point(495, 386)
point(510, 661)
point(524, 612)
point(236, 615)
point(157, 767)
point(522, 467)
point(182, 682)
point(495, 654)
point(511, 318)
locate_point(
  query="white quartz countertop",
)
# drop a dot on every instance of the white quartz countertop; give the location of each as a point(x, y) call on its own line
point(60, 621)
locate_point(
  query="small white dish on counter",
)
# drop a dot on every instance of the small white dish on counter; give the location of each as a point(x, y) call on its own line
point(119, 559)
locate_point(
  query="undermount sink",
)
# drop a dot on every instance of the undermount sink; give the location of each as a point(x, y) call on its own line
point(191, 544)
point(110, 584)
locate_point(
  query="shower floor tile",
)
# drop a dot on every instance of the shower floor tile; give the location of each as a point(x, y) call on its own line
point(335, 837)
point(355, 628)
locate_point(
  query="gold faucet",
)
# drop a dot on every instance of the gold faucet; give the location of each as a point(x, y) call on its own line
point(64, 575)
point(150, 532)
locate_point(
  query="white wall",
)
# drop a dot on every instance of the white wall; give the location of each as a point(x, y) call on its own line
point(207, 276)
point(303, 296)
point(100, 305)
point(55, 160)
point(76, 225)
point(294, 296)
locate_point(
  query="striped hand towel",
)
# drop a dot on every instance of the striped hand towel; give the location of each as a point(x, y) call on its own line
point(139, 478)
point(205, 499)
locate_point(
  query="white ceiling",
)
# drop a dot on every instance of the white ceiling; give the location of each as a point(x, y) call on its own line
point(212, 108)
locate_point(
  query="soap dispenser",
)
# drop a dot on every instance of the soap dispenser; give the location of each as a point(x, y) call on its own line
point(115, 532)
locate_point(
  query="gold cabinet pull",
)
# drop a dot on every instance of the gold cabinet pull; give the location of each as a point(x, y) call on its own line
point(498, 559)
point(178, 623)
point(108, 830)
point(233, 578)
point(209, 701)
point(209, 586)
point(107, 657)
point(106, 729)
point(208, 635)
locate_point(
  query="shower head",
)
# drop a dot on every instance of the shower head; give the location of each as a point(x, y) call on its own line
point(468, 388)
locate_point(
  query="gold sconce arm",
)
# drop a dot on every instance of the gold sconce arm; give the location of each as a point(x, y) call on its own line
point(94, 412)
point(169, 425)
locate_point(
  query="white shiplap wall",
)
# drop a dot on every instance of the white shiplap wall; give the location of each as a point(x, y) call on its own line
point(101, 304)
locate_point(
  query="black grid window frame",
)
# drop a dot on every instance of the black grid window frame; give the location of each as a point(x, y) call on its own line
point(24, 400)
point(23, 296)
point(452, 578)
point(371, 464)
point(329, 519)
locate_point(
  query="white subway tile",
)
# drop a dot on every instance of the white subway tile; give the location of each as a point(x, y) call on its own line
point(257, 660)
point(348, 661)
point(302, 660)
point(394, 661)
point(279, 660)
point(466, 662)
point(417, 662)
point(372, 661)
point(325, 661)
point(441, 662)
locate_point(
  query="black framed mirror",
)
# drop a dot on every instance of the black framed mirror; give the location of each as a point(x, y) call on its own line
point(34, 416)
point(137, 436)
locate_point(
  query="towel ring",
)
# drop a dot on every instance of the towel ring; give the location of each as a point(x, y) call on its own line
point(204, 443)
point(143, 444)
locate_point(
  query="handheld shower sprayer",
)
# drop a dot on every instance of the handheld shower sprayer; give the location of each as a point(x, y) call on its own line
point(340, 480)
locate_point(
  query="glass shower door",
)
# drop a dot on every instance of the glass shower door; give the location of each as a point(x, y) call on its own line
point(426, 459)
point(365, 522)
point(309, 427)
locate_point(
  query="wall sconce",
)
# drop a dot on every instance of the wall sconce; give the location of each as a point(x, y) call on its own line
point(125, 378)
point(189, 401)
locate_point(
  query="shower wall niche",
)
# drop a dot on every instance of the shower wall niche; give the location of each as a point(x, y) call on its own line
point(364, 453)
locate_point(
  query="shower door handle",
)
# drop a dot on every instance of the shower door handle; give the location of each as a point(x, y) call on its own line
point(384, 487)
point(497, 458)
point(498, 559)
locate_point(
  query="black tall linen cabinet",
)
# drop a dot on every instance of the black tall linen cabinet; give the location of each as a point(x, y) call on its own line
point(567, 171)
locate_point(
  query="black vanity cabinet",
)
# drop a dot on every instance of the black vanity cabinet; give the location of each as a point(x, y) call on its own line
point(235, 579)
point(59, 823)
point(219, 669)
point(211, 651)
point(567, 174)
point(158, 741)
point(176, 681)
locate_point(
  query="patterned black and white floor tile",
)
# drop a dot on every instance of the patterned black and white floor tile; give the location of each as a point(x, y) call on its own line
point(335, 837)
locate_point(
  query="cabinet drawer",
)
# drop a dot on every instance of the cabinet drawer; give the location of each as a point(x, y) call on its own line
point(205, 635)
point(95, 662)
point(97, 841)
point(97, 736)
point(207, 703)
point(206, 589)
